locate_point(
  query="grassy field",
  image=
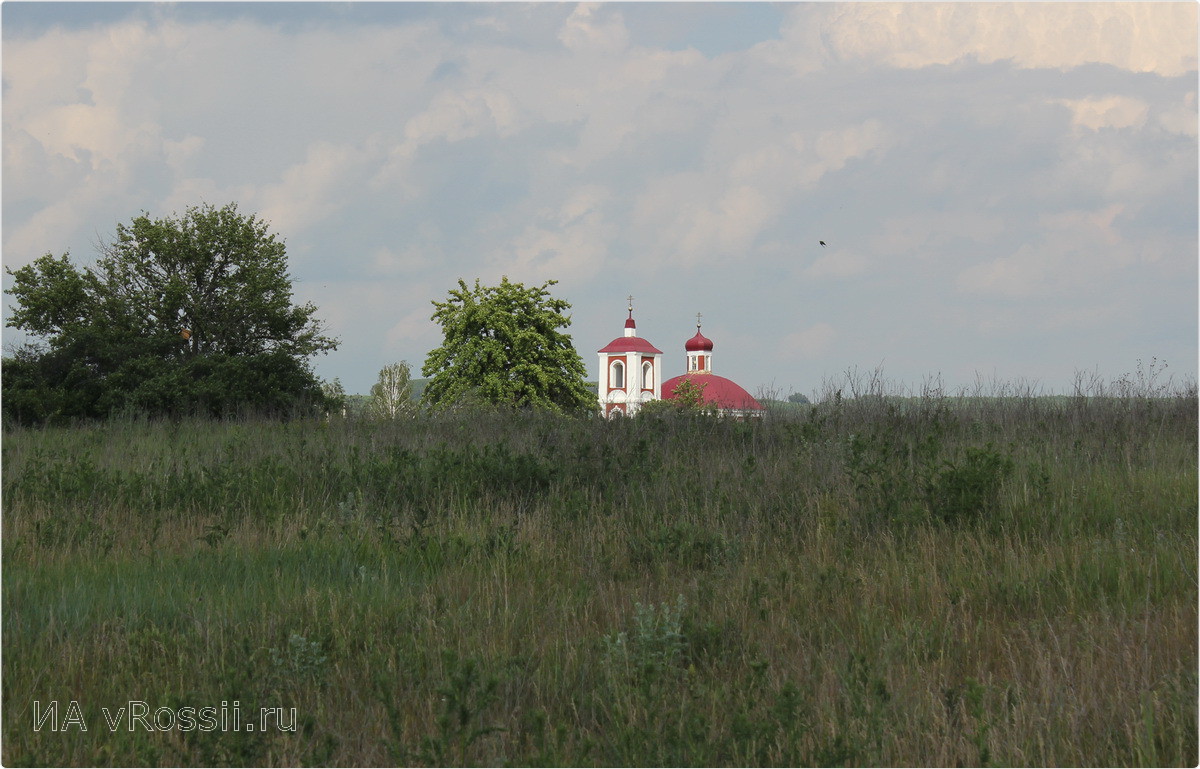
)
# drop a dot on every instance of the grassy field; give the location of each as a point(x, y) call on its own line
point(869, 581)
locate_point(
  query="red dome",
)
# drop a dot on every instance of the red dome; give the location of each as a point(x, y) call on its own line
point(717, 390)
point(699, 343)
point(630, 344)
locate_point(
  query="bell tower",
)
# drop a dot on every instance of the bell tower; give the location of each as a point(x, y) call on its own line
point(629, 372)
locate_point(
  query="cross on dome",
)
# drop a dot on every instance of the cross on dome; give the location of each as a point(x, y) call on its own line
point(698, 343)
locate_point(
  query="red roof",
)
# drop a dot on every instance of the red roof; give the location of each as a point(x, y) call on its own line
point(698, 343)
point(717, 390)
point(630, 344)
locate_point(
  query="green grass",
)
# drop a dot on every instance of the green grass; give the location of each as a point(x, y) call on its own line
point(936, 581)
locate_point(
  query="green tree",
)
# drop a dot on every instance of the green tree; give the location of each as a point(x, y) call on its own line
point(391, 396)
point(187, 314)
point(687, 398)
point(336, 399)
point(502, 345)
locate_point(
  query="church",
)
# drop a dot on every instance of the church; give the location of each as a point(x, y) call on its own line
point(631, 376)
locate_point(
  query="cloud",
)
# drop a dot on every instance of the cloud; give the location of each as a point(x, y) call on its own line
point(594, 27)
point(798, 160)
point(965, 158)
point(686, 219)
point(37, 235)
point(1107, 112)
point(414, 326)
point(836, 264)
point(1180, 118)
point(457, 115)
point(810, 342)
point(314, 189)
point(925, 234)
point(1075, 249)
point(1139, 37)
point(568, 243)
point(719, 214)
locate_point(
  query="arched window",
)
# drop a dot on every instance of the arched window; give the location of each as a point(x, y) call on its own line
point(617, 375)
point(647, 376)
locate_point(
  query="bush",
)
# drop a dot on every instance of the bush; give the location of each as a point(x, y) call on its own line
point(968, 490)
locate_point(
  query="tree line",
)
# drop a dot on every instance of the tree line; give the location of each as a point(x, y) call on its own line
point(194, 314)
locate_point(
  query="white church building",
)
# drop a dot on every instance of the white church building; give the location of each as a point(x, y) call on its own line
point(631, 375)
point(629, 372)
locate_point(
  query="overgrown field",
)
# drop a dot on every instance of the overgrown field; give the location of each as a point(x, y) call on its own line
point(870, 581)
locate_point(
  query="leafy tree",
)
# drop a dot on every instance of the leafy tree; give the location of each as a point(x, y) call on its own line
point(503, 346)
point(335, 395)
point(391, 396)
point(798, 398)
point(188, 314)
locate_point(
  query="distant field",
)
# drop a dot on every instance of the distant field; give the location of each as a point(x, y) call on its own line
point(994, 581)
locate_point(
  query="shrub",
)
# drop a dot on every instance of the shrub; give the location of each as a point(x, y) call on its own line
point(968, 490)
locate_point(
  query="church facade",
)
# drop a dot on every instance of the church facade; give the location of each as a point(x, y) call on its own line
point(629, 372)
point(631, 376)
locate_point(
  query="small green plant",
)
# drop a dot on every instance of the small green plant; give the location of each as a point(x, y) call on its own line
point(966, 491)
point(465, 697)
point(215, 534)
point(301, 661)
point(655, 644)
point(968, 700)
point(680, 544)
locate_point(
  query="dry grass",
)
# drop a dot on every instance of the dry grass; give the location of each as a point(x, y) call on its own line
point(457, 584)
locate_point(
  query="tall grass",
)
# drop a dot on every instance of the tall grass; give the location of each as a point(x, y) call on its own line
point(873, 580)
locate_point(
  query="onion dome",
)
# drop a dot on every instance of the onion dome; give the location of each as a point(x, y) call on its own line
point(699, 343)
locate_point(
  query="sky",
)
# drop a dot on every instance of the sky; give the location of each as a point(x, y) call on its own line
point(1007, 192)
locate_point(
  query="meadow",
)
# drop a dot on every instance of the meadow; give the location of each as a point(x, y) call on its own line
point(872, 580)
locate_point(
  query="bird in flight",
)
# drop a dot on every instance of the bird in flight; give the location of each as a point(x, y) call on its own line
point(822, 243)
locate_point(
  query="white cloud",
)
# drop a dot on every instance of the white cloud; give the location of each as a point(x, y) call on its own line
point(38, 235)
point(414, 326)
point(718, 215)
point(312, 190)
point(1180, 118)
point(687, 219)
point(836, 148)
point(594, 27)
point(1107, 112)
point(457, 115)
point(1140, 37)
point(1075, 249)
point(568, 243)
point(178, 154)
